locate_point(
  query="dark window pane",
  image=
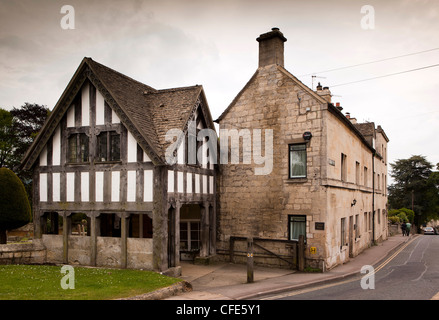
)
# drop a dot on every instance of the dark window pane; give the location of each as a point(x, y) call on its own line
point(84, 147)
point(115, 146)
point(72, 148)
point(102, 147)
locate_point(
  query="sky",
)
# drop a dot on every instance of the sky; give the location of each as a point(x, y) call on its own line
point(177, 43)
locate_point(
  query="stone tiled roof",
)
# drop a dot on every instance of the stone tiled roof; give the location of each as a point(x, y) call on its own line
point(147, 112)
point(153, 112)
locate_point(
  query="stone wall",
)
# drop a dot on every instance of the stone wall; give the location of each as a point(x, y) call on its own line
point(50, 250)
point(259, 205)
point(22, 253)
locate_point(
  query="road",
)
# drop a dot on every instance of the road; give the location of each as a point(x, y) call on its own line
point(412, 273)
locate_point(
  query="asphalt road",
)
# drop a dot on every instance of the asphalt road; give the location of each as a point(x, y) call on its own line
point(411, 273)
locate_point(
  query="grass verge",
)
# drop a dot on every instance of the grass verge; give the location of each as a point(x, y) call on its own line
point(41, 282)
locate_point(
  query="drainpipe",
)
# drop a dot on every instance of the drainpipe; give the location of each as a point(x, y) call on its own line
point(373, 197)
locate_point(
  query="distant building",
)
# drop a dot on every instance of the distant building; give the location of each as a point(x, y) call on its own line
point(329, 173)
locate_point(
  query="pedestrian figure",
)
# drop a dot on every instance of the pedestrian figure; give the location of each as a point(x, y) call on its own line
point(403, 227)
point(407, 228)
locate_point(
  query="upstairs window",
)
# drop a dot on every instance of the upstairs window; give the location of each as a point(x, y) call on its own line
point(78, 148)
point(297, 160)
point(108, 146)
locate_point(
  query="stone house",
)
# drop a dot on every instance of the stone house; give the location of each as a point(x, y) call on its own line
point(105, 191)
point(328, 178)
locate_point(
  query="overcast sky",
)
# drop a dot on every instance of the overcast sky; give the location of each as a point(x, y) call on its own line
point(175, 43)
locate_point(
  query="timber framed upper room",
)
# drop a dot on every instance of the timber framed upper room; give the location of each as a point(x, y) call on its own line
point(102, 154)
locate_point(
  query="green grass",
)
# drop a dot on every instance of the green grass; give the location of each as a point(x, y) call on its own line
point(40, 282)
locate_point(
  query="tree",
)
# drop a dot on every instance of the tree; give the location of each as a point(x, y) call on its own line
point(15, 209)
point(8, 140)
point(415, 187)
point(28, 121)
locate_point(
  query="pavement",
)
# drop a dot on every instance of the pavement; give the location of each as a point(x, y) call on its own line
point(228, 281)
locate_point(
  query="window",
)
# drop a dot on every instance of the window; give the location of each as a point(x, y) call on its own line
point(343, 232)
point(296, 227)
point(365, 176)
point(109, 146)
point(357, 172)
point(297, 161)
point(357, 226)
point(78, 148)
point(189, 235)
point(343, 167)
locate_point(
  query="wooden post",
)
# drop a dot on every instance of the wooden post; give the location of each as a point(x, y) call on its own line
point(66, 233)
point(124, 240)
point(232, 249)
point(301, 253)
point(93, 240)
point(250, 270)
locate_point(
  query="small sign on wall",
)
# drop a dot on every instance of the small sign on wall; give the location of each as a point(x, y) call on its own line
point(319, 226)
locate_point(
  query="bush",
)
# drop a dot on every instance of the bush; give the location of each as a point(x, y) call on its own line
point(15, 210)
point(394, 219)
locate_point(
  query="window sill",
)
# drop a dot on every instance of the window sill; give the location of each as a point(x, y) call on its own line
point(296, 180)
point(78, 163)
point(108, 162)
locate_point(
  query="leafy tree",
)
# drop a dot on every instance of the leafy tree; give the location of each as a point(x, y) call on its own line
point(8, 140)
point(15, 209)
point(28, 121)
point(416, 187)
point(18, 129)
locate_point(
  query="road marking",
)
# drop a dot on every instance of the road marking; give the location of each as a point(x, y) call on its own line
point(435, 297)
point(295, 293)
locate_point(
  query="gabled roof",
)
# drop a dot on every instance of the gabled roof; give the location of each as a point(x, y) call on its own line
point(286, 73)
point(146, 112)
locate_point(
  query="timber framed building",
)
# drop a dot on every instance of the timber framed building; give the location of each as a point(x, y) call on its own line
point(99, 165)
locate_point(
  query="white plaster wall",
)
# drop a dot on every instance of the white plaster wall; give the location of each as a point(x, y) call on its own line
point(170, 181)
point(71, 117)
point(70, 186)
point(147, 186)
point(132, 148)
point(43, 187)
point(85, 105)
point(56, 187)
point(99, 185)
point(131, 186)
point(56, 147)
point(85, 187)
point(100, 109)
point(115, 186)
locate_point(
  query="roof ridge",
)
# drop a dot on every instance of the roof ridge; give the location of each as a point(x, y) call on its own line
point(88, 59)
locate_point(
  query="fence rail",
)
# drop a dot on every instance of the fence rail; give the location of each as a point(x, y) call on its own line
point(295, 258)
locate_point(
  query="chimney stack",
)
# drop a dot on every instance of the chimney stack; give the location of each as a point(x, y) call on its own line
point(271, 48)
point(324, 92)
